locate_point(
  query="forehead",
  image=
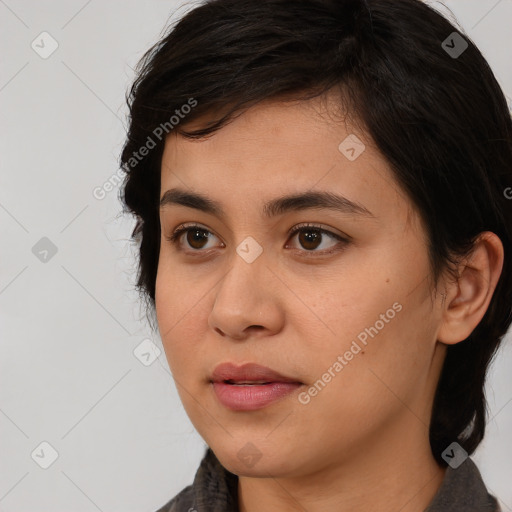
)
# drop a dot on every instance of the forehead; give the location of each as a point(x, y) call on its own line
point(276, 148)
point(270, 135)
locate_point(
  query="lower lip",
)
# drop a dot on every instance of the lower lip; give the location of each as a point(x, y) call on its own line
point(252, 397)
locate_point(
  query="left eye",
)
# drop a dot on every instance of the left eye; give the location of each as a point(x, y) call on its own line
point(310, 237)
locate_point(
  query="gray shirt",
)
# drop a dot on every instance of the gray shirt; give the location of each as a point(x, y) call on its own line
point(215, 489)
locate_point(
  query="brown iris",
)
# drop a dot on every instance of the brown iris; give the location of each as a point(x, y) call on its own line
point(197, 236)
point(308, 237)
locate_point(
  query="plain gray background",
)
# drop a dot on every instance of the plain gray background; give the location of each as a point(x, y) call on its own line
point(76, 383)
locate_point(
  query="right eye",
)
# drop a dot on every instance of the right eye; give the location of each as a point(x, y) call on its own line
point(195, 237)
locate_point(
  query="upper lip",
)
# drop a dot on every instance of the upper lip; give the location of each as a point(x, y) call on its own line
point(248, 373)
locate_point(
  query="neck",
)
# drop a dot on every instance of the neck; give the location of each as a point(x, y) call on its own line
point(385, 476)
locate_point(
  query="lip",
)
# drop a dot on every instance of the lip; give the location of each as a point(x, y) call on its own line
point(249, 397)
point(253, 396)
point(247, 373)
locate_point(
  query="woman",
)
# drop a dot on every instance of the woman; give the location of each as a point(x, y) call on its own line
point(322, 190)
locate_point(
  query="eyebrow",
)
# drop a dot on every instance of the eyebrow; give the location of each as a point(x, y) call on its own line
point(278, 206)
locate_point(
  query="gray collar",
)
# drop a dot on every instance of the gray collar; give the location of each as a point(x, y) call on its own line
point(215, 489)
point(463, 490)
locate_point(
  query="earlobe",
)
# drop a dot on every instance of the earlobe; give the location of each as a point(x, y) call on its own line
point(468, 298)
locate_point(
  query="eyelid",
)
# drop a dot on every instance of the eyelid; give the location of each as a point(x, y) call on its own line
point(187, 225)
point(318, 227)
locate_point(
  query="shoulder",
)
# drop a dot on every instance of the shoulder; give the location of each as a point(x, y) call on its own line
point(463, 489)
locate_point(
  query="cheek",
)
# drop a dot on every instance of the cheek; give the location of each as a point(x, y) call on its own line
point(372, 380)
point(178, 304)
point(174, 294)
point(170, 309)
point(380, 327)
point(166, 304)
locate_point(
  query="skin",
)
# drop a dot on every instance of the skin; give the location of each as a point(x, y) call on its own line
point(362, 442)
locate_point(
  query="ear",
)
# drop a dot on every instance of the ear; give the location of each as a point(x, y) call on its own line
point(467, 298)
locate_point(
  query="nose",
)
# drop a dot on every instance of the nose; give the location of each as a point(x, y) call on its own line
point(248, 301)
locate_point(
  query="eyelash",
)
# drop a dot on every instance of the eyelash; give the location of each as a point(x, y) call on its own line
point(183, 228)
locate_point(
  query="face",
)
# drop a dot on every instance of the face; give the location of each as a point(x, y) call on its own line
point(343, 306)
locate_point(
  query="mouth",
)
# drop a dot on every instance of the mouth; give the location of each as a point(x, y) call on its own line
point(246, 383)
point(253, 383)
point(251, 395)
point(250, 374)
